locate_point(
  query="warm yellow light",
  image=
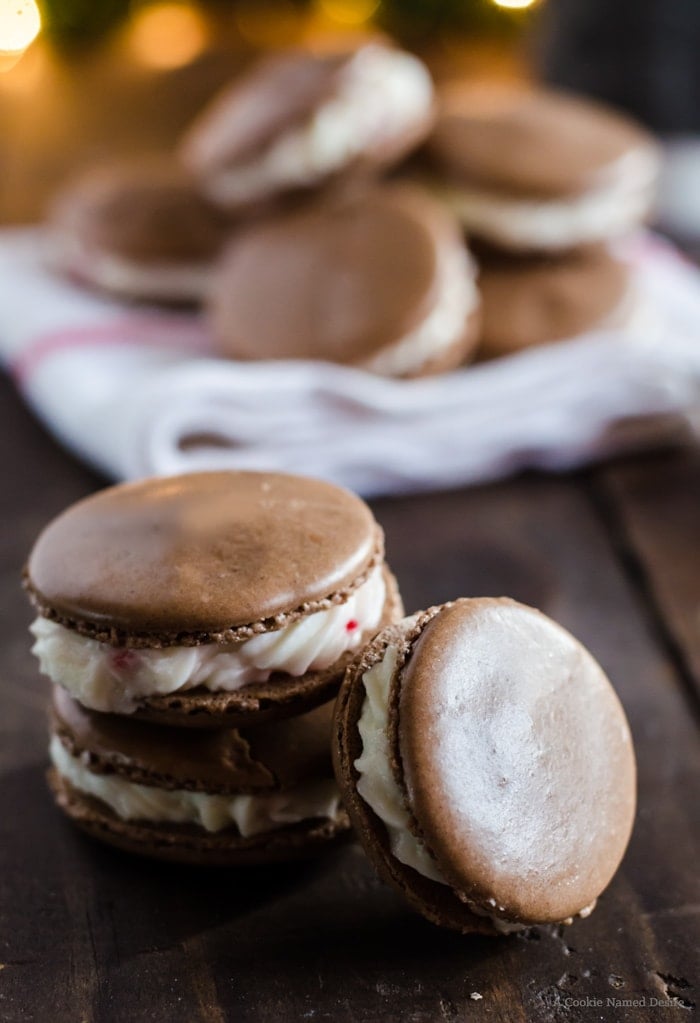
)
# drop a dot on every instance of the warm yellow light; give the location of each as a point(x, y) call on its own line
point(349, 12)
point(515, 5)
point(268, 25)
point(20, 23)
point(167, 35)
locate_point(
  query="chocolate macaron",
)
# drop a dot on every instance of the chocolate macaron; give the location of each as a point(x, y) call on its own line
point(137, 229)
point(533, 169)
point(487, 766)
point(217, 797)
point(208, 599)
point(300, 119)
point(379, 279)
point(534, 300)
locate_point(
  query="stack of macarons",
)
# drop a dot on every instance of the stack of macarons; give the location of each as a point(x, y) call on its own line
point(545, 184)
point(271, 213)
point(196, 630)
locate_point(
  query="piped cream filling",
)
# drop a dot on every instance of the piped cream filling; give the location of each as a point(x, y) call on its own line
point(114, 679)
point(379, 788)
point(383, 94)
point(251, 815)
point(444, 325)
point(605, 212)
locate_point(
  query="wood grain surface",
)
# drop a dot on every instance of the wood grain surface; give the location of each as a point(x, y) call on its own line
point(87, 934)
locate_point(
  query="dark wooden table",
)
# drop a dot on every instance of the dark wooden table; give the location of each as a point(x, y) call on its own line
point(91, 936)
point(87, 934)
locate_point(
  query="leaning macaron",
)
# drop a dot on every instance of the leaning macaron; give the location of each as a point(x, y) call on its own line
point(211, 797)
point(379, 279)
point(487, 766)
point(534, 300)
point(208, 599)
point(534, 169)
point(300, 119)
point(138, 229)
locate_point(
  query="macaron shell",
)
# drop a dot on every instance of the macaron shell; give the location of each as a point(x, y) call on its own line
point(530, 300)
point(246, 116)
point(341, 280)
point(282, 696)
point(436, 902)
point(268, 758)
point(529, 142)
point(517, 760)
point(199, 557)
point(146, 210)
point(181, 843)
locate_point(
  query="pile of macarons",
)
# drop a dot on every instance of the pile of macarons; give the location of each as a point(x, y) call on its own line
point(234, 682)
point(330, 206)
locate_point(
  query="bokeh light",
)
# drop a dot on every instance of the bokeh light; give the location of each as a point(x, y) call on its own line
point(167, 35)
point(515, 5)
point(349, 12)
point(20, 23)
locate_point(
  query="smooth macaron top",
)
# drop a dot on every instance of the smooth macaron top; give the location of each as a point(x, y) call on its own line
point(143, 209)
point(178, 559)
point(516, 758)
point(529, 300)
point(340, 280)
point(278, 93)
point(273, 756)
point(530, 142)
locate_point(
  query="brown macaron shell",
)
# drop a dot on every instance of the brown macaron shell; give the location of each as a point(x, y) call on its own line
point(267, 759)
point(534, 300)
point(535, 822)
point(184, 843)
point(529, 142)
point(145, 211)
point(278, 93)
point(342, 280)
point(201, 558)
point(271, 757)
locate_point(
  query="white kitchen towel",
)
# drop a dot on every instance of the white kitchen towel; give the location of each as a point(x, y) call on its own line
point(139, 391)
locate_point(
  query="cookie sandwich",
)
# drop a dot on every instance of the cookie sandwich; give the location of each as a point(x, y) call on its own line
point(533, 300)
point(208, 599)
point(378, 279)
point(487, 766)
point(298, 120)
point(540, 170)
point(137, 229)
point(223, 796)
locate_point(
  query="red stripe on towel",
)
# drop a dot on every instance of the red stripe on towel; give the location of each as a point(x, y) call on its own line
point(157, 332)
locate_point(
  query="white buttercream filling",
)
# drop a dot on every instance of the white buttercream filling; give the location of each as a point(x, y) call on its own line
point(383, 94)
point(444, 325)
point(379, 788)
point(251, 815)
point(605, 212)
point(114, 679)
point(173, 281)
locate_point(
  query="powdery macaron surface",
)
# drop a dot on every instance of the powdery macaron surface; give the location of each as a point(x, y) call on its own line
point(532, 300)
point(224, 796)
point(379, 279)
point(200, 598)
point(508, 761)
point(138, 228)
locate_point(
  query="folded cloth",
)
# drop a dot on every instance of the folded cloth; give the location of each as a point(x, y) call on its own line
point(138, 391)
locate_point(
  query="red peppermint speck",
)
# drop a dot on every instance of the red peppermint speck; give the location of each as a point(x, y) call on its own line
point(123, 660)
point(351, 625)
